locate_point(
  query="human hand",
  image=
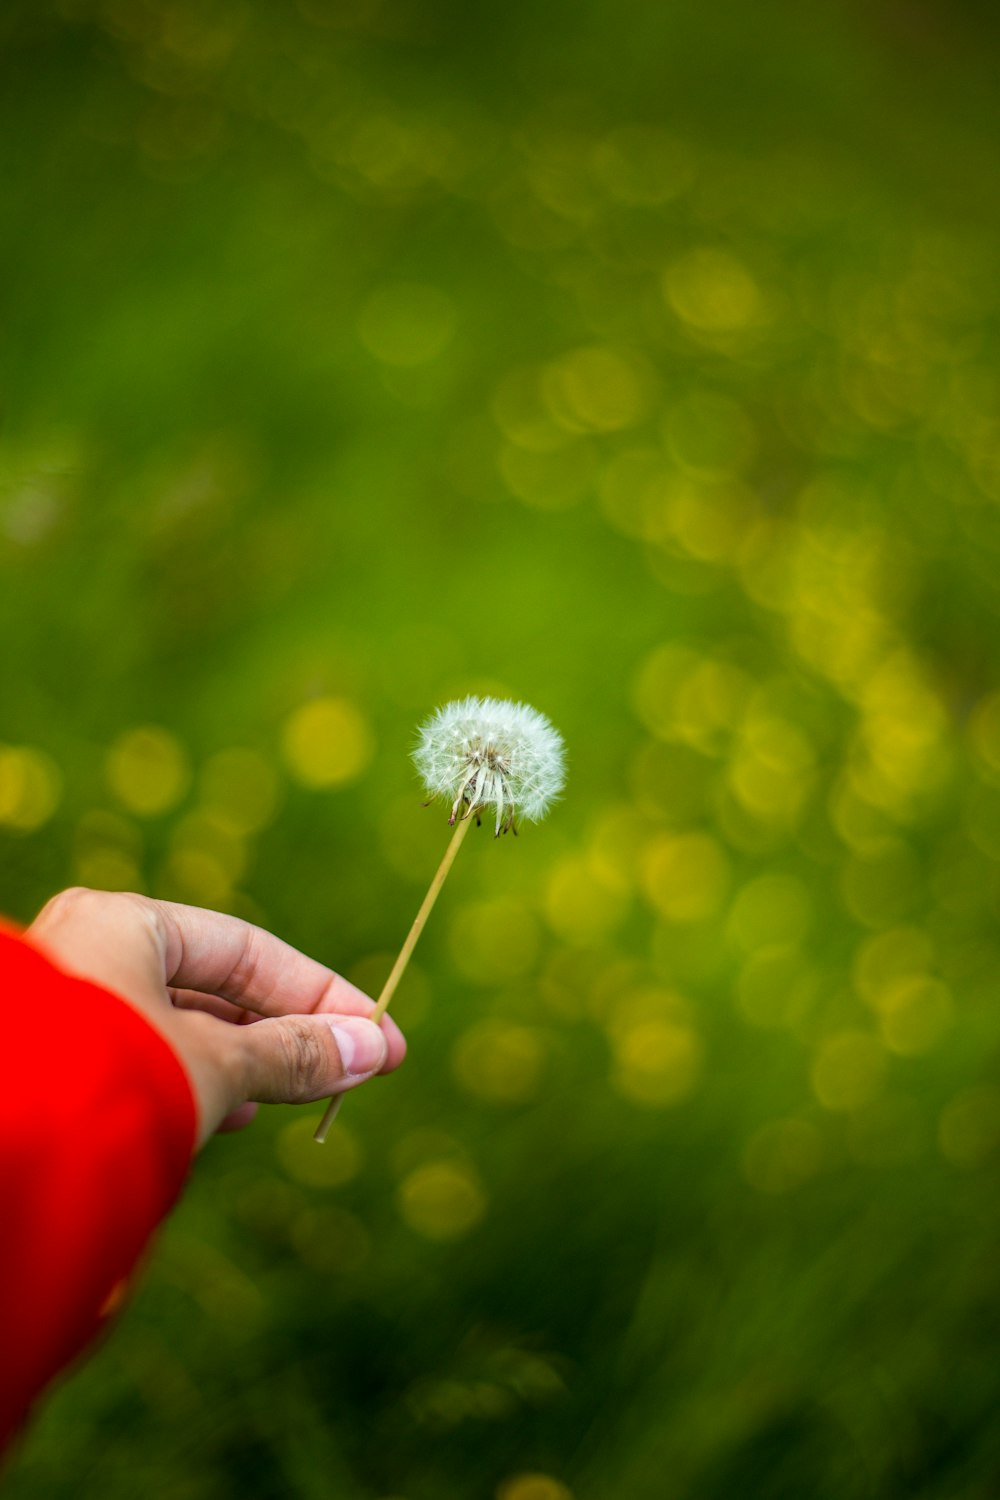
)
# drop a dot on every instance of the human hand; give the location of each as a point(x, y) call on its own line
point(201, 978)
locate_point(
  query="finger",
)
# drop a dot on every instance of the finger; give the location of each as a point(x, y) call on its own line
point(239, 1119)
point(295, 1059)
point(225, 957)
point(212, 1005)
point(237, 1015)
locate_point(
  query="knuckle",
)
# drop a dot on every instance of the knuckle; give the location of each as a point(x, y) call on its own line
point(240, 979)
point(65, 909)
point(305, 1058)
point(77, 901)
point(66, 902)
point(77, 898)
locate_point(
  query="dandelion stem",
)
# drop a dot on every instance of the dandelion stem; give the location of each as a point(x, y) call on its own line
point(398, 968)
point(405, 953)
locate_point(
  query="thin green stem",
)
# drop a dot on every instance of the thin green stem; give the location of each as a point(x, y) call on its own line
point(405, 953)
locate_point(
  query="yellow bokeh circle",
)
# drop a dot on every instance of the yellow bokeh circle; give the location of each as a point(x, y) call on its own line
point(613, 852)
point(685, 876)
point(580, 906)
point(240, 789)
point(107, 852)
point(776, 986)
point(519, 411)
point(640, 163)
point(883, 884)
point(30, 787)
point(915, 1014)
point(442, 1200)
point(658, 1061)
point(712, 291)
point(407, 323)
point(417, 1147)
point(708, 520)
point(630, 491)
point(195, 875)
point(597, 389)
point(327, 743)
point(499, 1062)
point(710, 704)
point(533, 1487)
point(107, 870)
point(551, 480)
point(709, 437)
point(882, 961)
point(848, 1070)
point(770, 911)
point(148, 770)
point(203, 833)
point(771, 772)
point(339, 1161)
point(657, 685)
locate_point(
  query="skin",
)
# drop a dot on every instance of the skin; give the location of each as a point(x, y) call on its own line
point(250, 1018)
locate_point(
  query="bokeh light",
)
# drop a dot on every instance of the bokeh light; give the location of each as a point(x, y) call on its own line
point(406, 324)
point(442, 1200)
point(583, 903)
point(848, 1070)
point(30, 787)
point(493, 941)
point(499, 1062)
point(148, 770)
point(770, 910)
point(657, 1062)
point(240, 789)
point(327, 743)
point(533, 1487)
point(685, 876)
point(107, 852)
point(319, 1168)
point(712, 291)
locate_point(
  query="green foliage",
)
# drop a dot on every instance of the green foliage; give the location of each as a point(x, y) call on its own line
point(639, 364)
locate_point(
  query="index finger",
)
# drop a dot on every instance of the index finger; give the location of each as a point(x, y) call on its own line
point(217, 954)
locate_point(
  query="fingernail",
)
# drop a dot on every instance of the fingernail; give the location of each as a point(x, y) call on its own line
point(361, 1045)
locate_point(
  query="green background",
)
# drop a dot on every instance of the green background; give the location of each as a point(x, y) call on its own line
point(638, 362)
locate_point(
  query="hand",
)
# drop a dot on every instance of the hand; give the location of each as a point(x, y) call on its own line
point(200, 978)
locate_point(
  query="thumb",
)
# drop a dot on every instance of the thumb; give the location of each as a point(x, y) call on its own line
point(294, 1059)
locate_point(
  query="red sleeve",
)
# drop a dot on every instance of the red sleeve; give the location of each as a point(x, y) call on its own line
point(97, 1128)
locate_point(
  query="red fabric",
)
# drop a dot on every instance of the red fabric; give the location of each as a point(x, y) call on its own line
point(97, 1128)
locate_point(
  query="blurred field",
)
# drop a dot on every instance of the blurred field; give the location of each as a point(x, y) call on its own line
point(639, 362)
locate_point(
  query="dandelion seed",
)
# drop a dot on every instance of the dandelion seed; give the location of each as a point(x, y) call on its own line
point(479, 752)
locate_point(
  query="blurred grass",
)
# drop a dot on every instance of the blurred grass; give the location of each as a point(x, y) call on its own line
point(641, 364)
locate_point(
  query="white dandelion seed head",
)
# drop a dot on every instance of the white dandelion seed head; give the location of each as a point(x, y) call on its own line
point(485, 752)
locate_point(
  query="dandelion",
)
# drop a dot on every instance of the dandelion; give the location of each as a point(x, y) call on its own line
point(479, 753)
point(483, 752)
